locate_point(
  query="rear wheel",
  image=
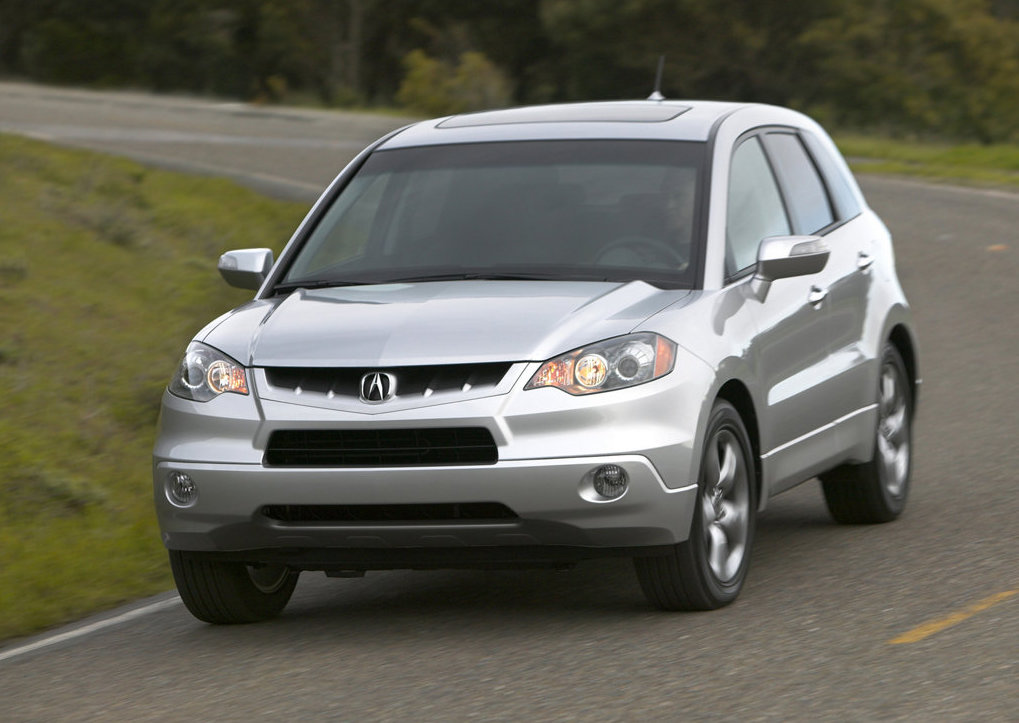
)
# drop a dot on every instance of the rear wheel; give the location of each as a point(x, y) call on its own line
point(876, 491)
point(231, 592)
point(707, 570)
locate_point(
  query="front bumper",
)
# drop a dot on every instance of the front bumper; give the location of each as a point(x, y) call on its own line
point(549, 445)
point(547, 495)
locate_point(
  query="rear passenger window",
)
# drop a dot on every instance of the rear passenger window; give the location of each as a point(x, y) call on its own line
point(846, 206)
point(807, 196)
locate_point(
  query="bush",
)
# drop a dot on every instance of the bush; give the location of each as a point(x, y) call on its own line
point(436, 87)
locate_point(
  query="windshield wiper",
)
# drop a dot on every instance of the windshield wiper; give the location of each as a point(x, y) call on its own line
point(447, 276)
point(488, 276)
point(316, 284)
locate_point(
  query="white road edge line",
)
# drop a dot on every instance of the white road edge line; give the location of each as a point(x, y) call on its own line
point(91, 628)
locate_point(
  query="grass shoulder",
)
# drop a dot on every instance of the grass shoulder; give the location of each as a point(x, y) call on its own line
point(970, 164)
point(107, 268)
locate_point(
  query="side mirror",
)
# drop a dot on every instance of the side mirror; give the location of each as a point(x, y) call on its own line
point(782, 257)
point(245, 268)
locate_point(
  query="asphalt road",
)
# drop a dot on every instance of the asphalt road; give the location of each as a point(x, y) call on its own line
point(811, 635)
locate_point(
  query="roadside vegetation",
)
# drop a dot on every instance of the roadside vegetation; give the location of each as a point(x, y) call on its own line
point(107, 269)
point(943, 68)
point(966, 164)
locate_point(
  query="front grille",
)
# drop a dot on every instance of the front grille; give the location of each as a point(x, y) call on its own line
point(459, 512)
point(380, 447)
point(411, 382)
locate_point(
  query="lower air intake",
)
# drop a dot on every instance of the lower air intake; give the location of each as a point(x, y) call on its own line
point(380, 447)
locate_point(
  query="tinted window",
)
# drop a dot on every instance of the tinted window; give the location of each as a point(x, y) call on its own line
point(755, 209)
point(614, 210)
point(805, 193)
point(842, 195)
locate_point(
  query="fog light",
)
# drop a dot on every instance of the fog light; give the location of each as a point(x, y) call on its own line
point(181, 490)
point(610, 481)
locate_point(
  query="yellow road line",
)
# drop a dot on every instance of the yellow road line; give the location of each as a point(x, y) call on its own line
point(936, 626)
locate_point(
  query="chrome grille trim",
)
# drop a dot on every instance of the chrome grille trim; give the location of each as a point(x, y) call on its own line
point(414, 382)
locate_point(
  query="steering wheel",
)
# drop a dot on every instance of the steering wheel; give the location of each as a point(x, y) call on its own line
point(643, 250)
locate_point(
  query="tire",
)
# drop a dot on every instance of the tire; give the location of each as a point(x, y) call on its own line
point(707, 571)
point(876, 491)
point(227, 593)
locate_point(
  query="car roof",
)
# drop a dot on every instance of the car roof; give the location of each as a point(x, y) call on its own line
point(641, 119)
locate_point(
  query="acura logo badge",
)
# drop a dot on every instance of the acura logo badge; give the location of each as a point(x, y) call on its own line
point(378, 387)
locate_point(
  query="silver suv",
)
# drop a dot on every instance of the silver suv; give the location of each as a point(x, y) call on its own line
point(540, 335)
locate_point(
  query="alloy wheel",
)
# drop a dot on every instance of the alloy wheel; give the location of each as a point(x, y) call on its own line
point(725, 506)
point(893, 431)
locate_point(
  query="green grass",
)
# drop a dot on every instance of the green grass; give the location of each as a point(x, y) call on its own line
point(107, 269)
point(994, 165)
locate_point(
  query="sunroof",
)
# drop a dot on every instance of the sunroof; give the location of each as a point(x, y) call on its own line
point(579, 113)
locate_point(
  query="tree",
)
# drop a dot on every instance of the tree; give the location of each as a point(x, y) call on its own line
point(943, 66)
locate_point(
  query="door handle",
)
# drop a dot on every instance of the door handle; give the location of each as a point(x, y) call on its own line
point(864, 261)
point(816, 296)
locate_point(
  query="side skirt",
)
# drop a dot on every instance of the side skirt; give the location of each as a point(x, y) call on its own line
point(847, 439)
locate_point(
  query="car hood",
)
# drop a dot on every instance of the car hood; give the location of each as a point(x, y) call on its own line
point(434, 322)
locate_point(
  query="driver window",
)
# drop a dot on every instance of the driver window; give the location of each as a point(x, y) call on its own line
point(755, 209)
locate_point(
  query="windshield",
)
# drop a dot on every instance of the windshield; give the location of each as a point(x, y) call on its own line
point(571, 210)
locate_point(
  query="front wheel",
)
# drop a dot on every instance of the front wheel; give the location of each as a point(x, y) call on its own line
point(707, 570)
point(876, 491)
point(227, 593)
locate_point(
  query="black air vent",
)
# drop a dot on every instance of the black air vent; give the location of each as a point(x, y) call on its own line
point(380, 447)
point(460, 512)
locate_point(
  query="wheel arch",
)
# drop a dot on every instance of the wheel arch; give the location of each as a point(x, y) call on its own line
point(901, 338)
point(736, 393)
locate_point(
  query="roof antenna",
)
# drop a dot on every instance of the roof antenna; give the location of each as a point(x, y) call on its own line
point(656, 94)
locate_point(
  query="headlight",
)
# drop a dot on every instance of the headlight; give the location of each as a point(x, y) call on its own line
point(612, 364)
point(205, 373)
